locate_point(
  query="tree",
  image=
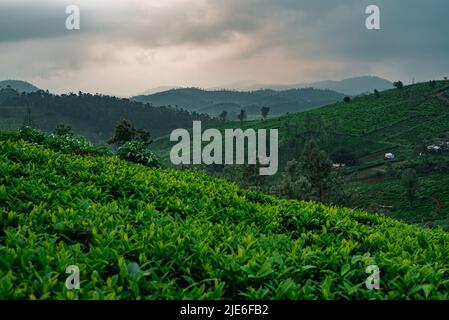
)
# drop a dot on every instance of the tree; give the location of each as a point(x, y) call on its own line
point(294, 185)
point(223, 116)
point(126, 132)
point(432, 83)
point(398, 84)
point(316, 166)
point(376, 93)
point(242, 115)
point(63, 129)
point(313, 179)
point(409, 181)
point(347, 99)
point(264, 111)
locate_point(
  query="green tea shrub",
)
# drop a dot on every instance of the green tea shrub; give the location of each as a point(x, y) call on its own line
point(67, 143)
point(137, 152)
point(32, 135)
point(156, 233)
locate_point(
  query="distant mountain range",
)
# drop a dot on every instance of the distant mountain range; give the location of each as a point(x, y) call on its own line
point(351, 86)
point(215, 102)
point(18, 85)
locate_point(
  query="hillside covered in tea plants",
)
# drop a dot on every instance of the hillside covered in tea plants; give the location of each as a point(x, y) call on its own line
point(358, 133)
point(155, 233)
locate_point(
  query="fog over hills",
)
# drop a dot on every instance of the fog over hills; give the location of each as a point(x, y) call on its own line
point(350, 86)
point(214, 102)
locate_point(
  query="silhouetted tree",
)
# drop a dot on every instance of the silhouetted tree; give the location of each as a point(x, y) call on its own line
point(242, 115)
point(315, 166)
point(264, 111)
point(125, 132)
point(398, 84)
point(376, 93)
point(63, 129)
point(223, 116)
point(409, 181)
point(347, 99)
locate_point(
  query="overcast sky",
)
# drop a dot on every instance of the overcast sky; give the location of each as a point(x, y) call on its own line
point(127, 46)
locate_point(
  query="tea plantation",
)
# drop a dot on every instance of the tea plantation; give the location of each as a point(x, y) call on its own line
point(154, 233)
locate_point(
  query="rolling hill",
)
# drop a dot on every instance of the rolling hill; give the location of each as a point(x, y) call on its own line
point(19, 86)
point(352, 86)
point(93, 116)
point(142, 233)
point(401, 121)
point(215, 102)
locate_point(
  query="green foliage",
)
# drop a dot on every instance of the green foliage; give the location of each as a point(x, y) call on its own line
point(403, 122)
point(294, 185)
point(145, 233)
point(312, 179)
point(66, 143)
point(264, 111)
point(137, 152)
point(63, 129)
point(93, 116)
point(213, 102)
point(409, 181)
point(125, 132)
point(398, 84)
point(32, 135)
point(316, 167)
point(223, 116)
point(242, 115)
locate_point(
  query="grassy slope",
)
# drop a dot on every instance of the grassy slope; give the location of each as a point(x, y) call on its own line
point(369, 127)
point(137, 232)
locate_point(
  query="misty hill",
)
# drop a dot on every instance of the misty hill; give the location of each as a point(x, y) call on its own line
point(215, 102)
point(93, 116)
point(354, 86)
point(18, 85)
point(351, 86)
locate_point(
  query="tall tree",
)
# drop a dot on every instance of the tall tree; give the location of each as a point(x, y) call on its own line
point(63, 129)
point(264, 111)
point(409, 181)
point(316, 166)
point(242, 115)
point(125, 132)
point(223, 116)
point(398, 84)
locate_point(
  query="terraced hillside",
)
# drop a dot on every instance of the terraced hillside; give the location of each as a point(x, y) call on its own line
point(137, 232)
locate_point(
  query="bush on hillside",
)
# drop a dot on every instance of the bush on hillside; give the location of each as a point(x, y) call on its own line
point(66, 143)
point(138, 152)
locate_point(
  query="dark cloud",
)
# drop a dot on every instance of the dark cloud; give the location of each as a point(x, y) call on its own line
point(413, 39)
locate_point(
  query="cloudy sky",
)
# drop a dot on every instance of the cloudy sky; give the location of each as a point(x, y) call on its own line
point(127, 46)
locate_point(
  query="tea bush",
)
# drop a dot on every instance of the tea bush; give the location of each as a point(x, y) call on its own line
point(137, 152)
point(65, 143)
point(156, 233)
